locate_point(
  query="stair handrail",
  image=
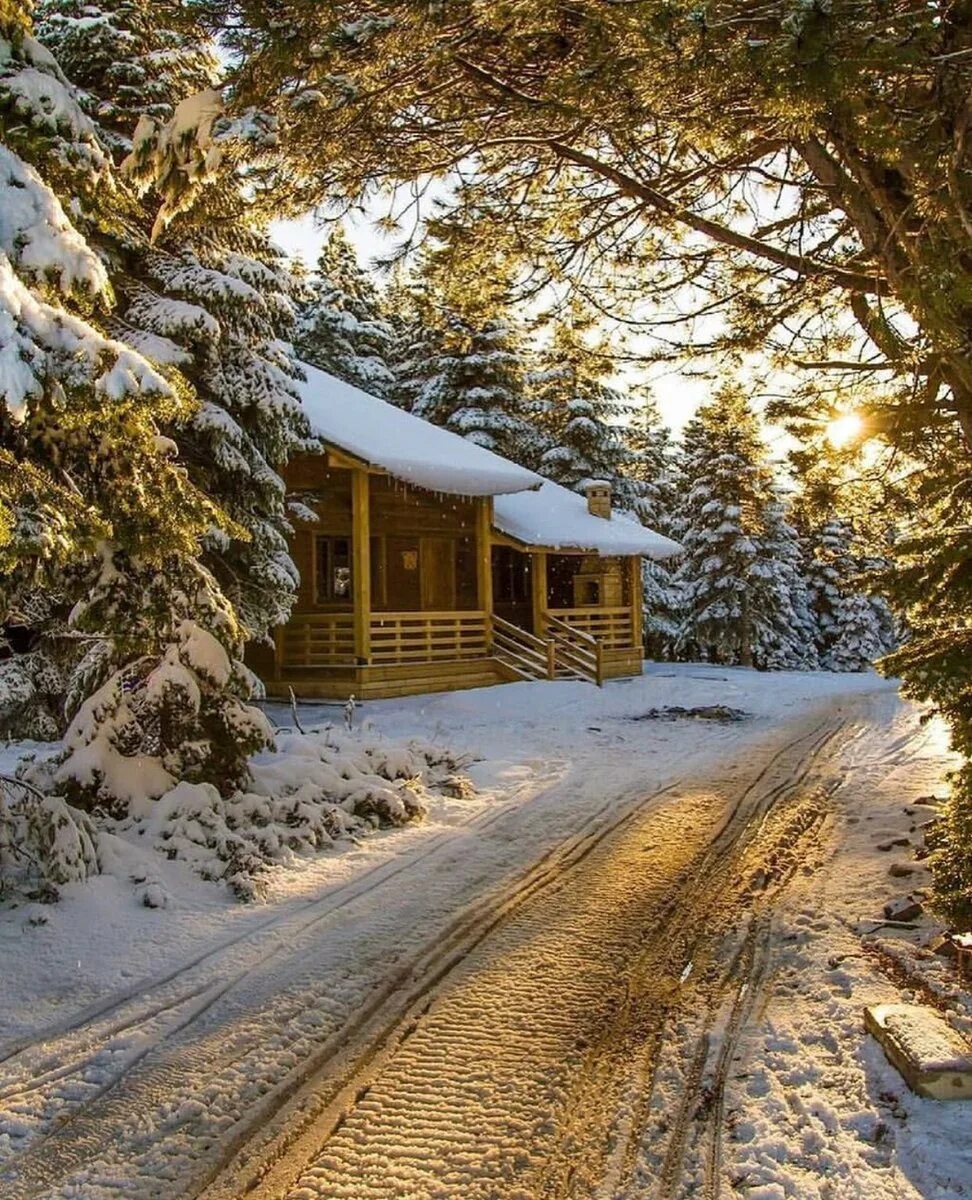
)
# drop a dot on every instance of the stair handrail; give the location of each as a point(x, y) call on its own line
point(540, 650)
point(587, 651)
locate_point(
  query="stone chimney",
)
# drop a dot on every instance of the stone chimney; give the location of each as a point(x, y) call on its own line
point(599, 498)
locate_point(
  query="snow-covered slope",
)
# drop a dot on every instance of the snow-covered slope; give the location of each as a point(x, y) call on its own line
point(407, 447)
point(557, 517)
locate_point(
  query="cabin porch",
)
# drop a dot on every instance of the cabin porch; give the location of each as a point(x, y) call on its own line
point(403, 591)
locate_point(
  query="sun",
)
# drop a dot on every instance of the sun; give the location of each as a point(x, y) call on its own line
point(843, 430)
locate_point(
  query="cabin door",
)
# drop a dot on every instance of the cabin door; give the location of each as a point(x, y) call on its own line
point(513, 586)
point(438, 559)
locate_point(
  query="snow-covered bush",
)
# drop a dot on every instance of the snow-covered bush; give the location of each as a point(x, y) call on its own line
point(44, 842)
point(307, 794)
point(168, 703)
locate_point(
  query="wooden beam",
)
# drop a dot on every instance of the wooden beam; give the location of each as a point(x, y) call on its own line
point(484, 562)
point(538, 564)
point(361, 565)
point(347, 462)
point(636, 590)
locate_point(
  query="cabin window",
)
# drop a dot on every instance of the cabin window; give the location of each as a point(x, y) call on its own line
point(333, 570)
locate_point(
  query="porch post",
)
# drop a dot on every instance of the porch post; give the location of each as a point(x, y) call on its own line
point(539, 563)
point(484, 564)
point(361, 565)
point(636, 591)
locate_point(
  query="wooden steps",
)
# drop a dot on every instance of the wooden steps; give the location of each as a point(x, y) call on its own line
point(522, 653)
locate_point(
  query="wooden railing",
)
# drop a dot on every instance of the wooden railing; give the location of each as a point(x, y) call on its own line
point(527, 655)
point(405, 637)
point(320, 639)
point(576, 652)
point(571, 642)
point(611, 627)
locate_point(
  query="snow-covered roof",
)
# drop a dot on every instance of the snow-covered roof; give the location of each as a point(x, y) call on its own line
point(558, 518)
point(407, 447)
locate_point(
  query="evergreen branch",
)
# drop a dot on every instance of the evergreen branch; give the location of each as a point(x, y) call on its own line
point(852, 281)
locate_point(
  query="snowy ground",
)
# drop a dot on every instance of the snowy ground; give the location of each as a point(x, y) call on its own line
point(141, 1048)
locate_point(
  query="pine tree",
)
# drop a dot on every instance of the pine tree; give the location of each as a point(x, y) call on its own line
point(654, 468)
point(736, 594)
point(210, 297)
point(223, 309)
point(341, 327)
point(852, 627)
point(416, 342)
point(936, 661)
point(582, 416)
point(128, 60)
point(790, 643)
point(95, 511)
point(474, 385)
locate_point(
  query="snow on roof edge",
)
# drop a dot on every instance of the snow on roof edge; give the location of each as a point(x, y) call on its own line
point(558, 519)
point(407, 447)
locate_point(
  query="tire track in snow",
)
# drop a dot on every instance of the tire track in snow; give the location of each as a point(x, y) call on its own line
point(696, 903)
point(68, 1052)
point(321, 906)
point(699, 1119)
point(102, 1138)
point(413, 1117)
point(68, 1143)
point(74, 1045)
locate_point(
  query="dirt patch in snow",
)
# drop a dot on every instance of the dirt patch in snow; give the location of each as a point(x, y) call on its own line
point(721, 713)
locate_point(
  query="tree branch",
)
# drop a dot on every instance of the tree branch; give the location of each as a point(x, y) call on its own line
point(851, 281)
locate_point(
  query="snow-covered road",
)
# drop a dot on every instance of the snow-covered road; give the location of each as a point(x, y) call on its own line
point(530, 995)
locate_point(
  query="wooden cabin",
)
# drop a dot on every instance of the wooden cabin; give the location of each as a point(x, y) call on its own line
point(428, 563)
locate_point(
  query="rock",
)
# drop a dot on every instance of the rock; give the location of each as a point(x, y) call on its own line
point(932, 1058)
point(942, 945)
point(900, 870)
point(905, 908)
point(892, 842)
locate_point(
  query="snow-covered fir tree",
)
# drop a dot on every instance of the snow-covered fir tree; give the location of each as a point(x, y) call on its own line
point(582, 416)
point(210, 297)
point(341, 327)
point(737, 605)
point(223, 310)
point(474, 384)
point(96, 514)
point(653, 466)
point(852, 627)
point(416, 341)
point(466, 369)
point(128, 59)
point(790, 642)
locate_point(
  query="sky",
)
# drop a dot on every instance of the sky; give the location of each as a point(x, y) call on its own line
point(678, 395)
